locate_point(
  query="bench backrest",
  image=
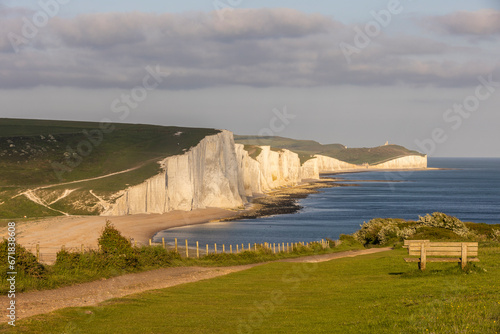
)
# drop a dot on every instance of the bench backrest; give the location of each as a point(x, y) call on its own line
point(442, 248)
point(408, 242)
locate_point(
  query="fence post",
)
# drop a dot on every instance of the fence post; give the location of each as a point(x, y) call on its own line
point(249, 247)
point(274, 248)
point(187, 249)
point(215, 248)
point(231, 249)
point(279, 248)
point(176, 250)
point(38, 252)
point(207, 249)
point(237, 248)
point(163, 242)
point(223, 248)
point(255, 244)
point(150, 242)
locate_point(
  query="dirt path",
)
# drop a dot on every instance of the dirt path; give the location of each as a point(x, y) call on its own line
point(31, 193)
point(90, 294)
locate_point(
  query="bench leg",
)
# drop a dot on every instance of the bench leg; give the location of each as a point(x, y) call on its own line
point(422, 265)
point(423, 257)
point(463, 260)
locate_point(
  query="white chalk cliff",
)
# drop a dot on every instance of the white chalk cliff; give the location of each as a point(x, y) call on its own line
point(219, 173)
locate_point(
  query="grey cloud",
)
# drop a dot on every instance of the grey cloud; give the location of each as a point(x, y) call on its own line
point(259, 48)
point(484, 22)
point(110, 29)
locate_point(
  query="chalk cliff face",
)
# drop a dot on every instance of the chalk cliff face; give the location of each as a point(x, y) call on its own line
point(206, 176)
point(219, 173)
point(411, 161)
point(328, 164)
point(278, 168)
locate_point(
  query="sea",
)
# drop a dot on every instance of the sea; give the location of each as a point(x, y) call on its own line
point(467, 188)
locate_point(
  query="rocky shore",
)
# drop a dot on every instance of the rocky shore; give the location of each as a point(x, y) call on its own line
point(284, 200)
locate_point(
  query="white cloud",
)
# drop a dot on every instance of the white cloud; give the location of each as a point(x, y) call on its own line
point(254, 47)
point(484, 22)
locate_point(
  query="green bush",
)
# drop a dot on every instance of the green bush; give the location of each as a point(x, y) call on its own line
point(112, 242)
point(67, 260)
point(25, 262)
point(155, 256)
point(116, 249)
point(370, 233)
point(442, 220)
point(437, 226)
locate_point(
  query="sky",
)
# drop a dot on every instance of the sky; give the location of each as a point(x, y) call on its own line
point(422, 74)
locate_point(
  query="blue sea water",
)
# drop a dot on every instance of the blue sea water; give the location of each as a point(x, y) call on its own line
point(469, 190)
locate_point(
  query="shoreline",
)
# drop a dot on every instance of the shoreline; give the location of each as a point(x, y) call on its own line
point(74, 231)
point(364, 170)
point(284, 200)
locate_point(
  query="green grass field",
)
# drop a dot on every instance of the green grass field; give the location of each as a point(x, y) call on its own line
point(377, 293)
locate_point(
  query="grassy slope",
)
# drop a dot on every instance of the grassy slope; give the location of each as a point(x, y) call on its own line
point(376, 293)
point(29, 147)
point(127, 146)
point(306, 148)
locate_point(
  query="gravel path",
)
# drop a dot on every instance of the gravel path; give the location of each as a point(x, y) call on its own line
point(92, 293)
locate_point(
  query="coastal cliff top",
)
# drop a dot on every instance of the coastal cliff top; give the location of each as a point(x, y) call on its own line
point(308, 148)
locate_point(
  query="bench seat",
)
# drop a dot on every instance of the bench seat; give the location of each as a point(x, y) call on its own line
point(440, 259)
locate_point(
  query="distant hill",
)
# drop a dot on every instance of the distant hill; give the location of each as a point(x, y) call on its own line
point(307, 148)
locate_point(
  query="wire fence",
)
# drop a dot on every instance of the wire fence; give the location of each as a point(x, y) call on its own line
point(184, 248)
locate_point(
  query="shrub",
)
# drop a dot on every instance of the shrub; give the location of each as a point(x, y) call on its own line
point(406, 233)
point(67, 260)
point(373, 232)
point(495, 234)
point(112, 242)
point(117, 250)
point(155, 256)
point(380, 231)
point(442, 220)
point(26, 262)
point(388, 232)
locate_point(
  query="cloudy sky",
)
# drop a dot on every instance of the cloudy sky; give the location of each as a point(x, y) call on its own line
point(423, 74)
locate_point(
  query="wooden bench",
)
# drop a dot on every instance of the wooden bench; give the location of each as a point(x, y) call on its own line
point(461, 252)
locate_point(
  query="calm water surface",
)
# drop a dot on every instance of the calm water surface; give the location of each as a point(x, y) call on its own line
point(471, 192)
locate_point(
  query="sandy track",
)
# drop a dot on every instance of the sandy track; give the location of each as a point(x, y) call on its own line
point(73, 231)
point(92, 293)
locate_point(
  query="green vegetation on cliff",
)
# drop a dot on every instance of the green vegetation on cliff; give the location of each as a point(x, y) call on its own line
point(307, 148)
point(40, 153)
point(32, 151)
